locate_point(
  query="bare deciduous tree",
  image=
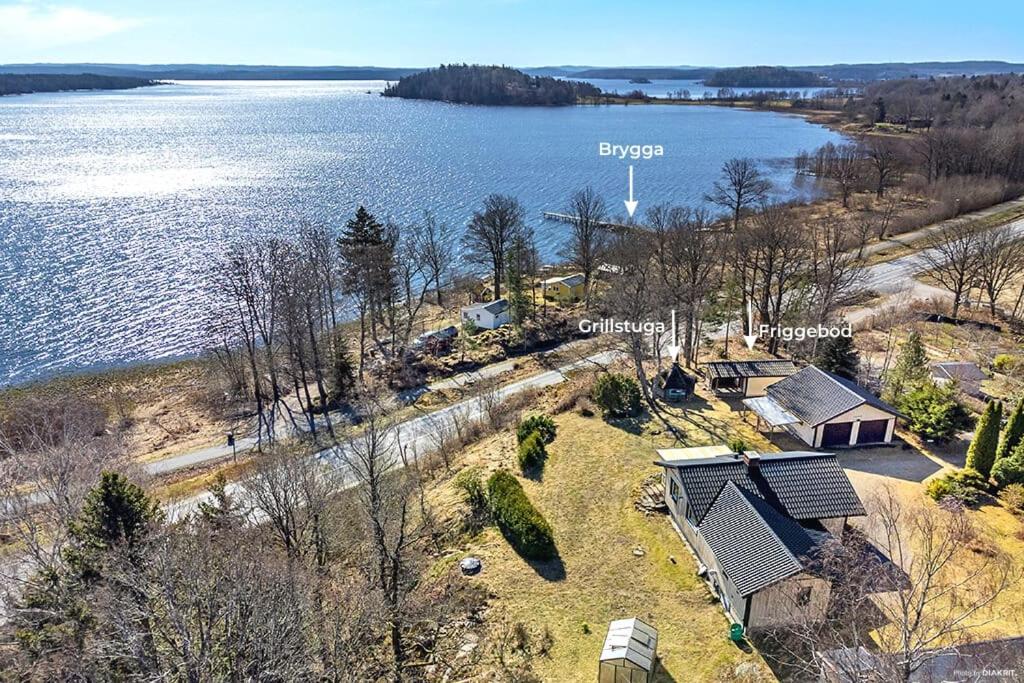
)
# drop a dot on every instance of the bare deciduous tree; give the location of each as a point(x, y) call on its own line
point(884, 161)
point(589, 237)
point(491, 232)
point(930, 598)
point(1000, 259)
point(952, 256)
point(291, 492)
point(740, 187)
point(436, 242)
point(374, 460)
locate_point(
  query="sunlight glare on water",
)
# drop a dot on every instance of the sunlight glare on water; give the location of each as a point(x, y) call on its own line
point(114, 205)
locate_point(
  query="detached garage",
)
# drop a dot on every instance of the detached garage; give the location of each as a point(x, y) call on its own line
point(826, 411)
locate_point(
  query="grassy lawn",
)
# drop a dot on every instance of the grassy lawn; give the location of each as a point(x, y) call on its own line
point(586, 494)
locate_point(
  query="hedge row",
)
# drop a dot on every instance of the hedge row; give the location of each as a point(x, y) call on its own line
point(521, 523)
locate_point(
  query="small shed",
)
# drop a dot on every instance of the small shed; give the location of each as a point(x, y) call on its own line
point(674, 384)
point(630, 652)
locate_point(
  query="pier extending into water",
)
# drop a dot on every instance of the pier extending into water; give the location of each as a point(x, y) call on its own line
point(569, 218)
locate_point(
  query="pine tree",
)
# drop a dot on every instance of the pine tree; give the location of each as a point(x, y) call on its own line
point(1012, 433)
point(982, 452)
point(517, 270)
point(910, 371)
point(839, 356)
point(117, 514)
point(341, 373)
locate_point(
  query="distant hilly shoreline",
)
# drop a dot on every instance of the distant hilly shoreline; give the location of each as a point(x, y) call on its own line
point(833, 72)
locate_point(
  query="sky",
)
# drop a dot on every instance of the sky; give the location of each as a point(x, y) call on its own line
point(522, 33)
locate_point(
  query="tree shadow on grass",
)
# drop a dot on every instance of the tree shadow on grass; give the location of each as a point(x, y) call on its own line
point(549, 570)
point(633, 425)
point(535, 472)
point(552, 569)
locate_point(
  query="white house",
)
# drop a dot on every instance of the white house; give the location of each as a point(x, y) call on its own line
point(825, 411)
point(489, 316)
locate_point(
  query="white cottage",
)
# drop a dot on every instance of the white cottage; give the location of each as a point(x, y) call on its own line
point(488, 316)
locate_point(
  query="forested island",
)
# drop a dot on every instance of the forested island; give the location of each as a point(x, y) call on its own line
point(23, 84)
point(492, 85)
point(763, 77)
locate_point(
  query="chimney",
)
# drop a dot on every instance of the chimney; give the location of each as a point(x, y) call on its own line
point(751, 458)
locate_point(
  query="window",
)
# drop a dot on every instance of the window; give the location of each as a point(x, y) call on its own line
point(803, 596)
point(673, 489)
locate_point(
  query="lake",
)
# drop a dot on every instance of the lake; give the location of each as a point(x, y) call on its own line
point(113, 205)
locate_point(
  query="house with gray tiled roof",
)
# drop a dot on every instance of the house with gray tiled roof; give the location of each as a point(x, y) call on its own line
point(757, 524)
point(745, 378)
point(825, 411)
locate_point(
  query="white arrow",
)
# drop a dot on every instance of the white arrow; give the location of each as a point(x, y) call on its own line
point(752, 337)
point(673, 348)
point(630, 203)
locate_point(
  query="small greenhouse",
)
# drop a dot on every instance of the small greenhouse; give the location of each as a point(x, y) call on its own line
point(630, 653)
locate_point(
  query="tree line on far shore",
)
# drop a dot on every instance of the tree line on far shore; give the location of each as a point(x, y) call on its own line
point(23, 84)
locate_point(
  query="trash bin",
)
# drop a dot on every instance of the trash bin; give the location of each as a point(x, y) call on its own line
point(736, 633)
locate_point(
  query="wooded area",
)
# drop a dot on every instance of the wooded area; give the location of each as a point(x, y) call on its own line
point(494, 85)
point(21, 84)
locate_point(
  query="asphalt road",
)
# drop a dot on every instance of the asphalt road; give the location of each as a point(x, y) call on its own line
point(897, 275)
point(416, 436)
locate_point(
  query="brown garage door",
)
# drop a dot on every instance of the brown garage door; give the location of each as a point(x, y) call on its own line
point(872, 431)
point(836, 434)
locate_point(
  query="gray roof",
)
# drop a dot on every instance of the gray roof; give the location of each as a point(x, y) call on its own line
point(801, 485)
point(754, 544)
point(494, 308)
point(703, 479)
point(750, 368)
point(675, 377)
point(816, 396)
point(569, 281)
point(958, 371)
point(809, 486)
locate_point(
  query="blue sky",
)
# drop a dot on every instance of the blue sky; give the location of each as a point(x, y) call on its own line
point(519, 32)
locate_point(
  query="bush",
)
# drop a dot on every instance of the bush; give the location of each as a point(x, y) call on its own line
point(950, 486)
point(933, 411)
point(971, 477)
point(1013, 496)
point(469, 483)
point(532, 453)
point(1004, 363)
point(617, 395)
point(542, 424)
point(1009, 470)
point(524, 527)
point(737, 444)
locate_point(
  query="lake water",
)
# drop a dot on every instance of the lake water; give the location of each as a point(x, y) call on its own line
point(114, 204)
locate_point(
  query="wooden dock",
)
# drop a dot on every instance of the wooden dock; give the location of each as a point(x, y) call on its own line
point(569, 218)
